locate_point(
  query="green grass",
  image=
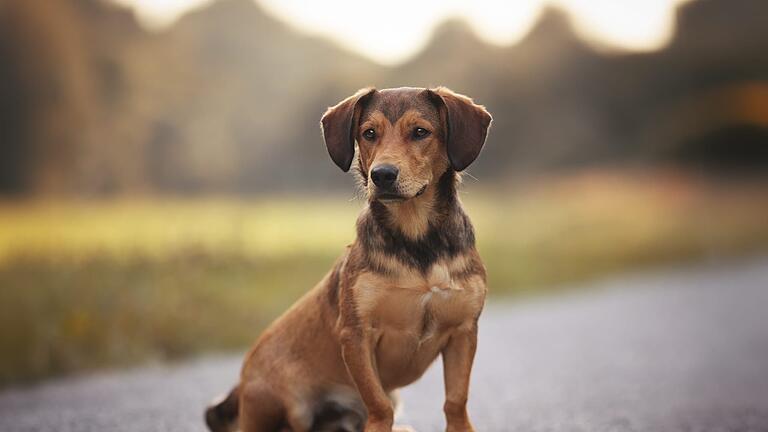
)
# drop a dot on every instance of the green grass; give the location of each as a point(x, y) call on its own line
point(87, 285)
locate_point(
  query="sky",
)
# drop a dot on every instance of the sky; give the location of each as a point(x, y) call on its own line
point(393, 31)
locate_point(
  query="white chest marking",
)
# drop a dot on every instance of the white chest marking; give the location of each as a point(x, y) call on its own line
point(440, 280)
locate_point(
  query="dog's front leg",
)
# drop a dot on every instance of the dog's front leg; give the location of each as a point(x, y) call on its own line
point(458, 355)
point(357, 353)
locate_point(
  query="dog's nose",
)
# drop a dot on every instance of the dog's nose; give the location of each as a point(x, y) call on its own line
point(384, 176)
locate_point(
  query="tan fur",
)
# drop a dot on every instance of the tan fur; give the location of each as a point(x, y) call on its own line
point(374, 323)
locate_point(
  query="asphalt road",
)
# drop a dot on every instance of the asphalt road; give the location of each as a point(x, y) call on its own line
point(683, 350)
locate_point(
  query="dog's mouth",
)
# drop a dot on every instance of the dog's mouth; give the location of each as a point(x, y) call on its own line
point(392, 197)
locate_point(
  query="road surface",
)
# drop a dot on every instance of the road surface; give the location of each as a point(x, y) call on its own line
point(683, 350)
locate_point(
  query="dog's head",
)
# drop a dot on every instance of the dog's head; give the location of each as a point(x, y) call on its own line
point(407, 137)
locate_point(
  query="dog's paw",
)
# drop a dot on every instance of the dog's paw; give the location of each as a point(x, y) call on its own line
point(403, 428)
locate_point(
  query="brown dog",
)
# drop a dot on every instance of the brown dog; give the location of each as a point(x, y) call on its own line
point(410, 287)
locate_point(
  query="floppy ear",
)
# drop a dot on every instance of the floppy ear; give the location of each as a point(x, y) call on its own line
point(339, 125)
point(466, 126)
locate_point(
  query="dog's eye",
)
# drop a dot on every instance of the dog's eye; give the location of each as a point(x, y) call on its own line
point(369, 134)
point(420, 133)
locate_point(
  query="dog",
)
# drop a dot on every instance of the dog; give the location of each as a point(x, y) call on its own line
point(409, 288)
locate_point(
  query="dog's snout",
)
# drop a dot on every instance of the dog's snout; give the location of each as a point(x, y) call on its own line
point(384, 175)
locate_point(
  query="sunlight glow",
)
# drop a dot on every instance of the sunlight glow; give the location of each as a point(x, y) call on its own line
point(392, 32)
point(158, 14)
point(629, 24)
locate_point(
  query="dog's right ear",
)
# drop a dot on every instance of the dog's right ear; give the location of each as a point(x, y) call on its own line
point(339, 125)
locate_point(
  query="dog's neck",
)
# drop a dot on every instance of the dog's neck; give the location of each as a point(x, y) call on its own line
point(421, 230)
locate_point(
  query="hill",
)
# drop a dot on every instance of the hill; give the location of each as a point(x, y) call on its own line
point(228, 99)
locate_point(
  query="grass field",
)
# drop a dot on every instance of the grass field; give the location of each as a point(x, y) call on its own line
point(87, 285)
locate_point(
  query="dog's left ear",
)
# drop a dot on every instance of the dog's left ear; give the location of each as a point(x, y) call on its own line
point(466, 126)
point(339, 125)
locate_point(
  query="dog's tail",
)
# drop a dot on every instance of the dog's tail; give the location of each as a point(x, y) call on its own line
point(221, 416)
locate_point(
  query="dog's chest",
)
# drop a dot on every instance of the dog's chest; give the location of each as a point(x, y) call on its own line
point(412, 317)
point(420, 303)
